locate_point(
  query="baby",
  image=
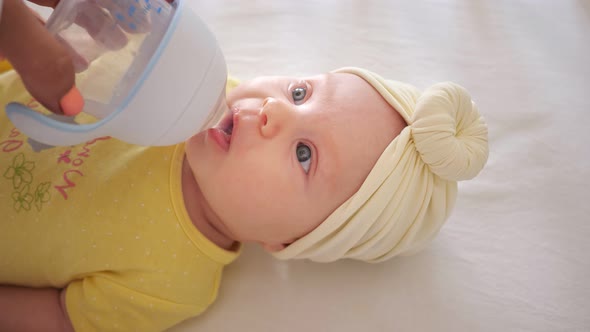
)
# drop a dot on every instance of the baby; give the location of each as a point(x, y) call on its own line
point(107, 236)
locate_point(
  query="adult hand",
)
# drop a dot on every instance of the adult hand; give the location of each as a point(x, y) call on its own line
point(47, 66)
point(43, 63)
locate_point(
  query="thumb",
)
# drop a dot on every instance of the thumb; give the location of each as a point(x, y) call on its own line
point(42, 62)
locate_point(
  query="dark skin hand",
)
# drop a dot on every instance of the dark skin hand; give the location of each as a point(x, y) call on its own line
point(43, 63)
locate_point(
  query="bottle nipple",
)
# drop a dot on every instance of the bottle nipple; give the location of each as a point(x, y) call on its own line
point(219, 110)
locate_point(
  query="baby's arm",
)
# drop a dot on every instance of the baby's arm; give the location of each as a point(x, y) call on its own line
point(33, 309)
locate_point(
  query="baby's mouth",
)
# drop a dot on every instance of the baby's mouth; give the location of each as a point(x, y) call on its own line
point(229, 128)
point(226, 125)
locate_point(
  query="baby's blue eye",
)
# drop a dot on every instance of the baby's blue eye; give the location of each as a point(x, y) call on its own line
point(299, 94)
point(303, 153)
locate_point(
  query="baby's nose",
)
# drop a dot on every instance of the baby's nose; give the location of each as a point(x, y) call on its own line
point(275, 116)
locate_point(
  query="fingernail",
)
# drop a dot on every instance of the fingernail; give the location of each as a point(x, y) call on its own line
point(72, 103)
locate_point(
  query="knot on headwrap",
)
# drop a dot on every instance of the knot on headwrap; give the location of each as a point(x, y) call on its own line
point(449, 133)
point(412, 188)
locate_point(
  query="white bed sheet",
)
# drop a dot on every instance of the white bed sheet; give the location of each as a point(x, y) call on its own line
point(514, 255)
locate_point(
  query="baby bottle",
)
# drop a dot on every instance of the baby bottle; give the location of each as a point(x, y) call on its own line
point(150, 73)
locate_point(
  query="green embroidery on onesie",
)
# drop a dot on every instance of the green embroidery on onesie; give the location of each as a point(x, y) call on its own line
point(20, 172)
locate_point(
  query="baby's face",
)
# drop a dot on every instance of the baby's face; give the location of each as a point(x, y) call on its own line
point(298, 149)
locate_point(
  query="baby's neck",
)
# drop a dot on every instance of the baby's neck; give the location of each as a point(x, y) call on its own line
point(200, 213)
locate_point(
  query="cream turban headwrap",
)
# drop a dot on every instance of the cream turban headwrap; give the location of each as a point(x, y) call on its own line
point(411, 190)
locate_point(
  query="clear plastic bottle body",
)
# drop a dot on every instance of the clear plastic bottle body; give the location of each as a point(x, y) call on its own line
point(111, 43)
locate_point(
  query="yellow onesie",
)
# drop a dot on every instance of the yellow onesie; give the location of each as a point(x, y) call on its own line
point(106, 220)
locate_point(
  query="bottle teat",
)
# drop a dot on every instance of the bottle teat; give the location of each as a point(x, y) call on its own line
point(217, 113)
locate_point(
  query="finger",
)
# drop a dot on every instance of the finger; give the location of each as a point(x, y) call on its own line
point(44, 65)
